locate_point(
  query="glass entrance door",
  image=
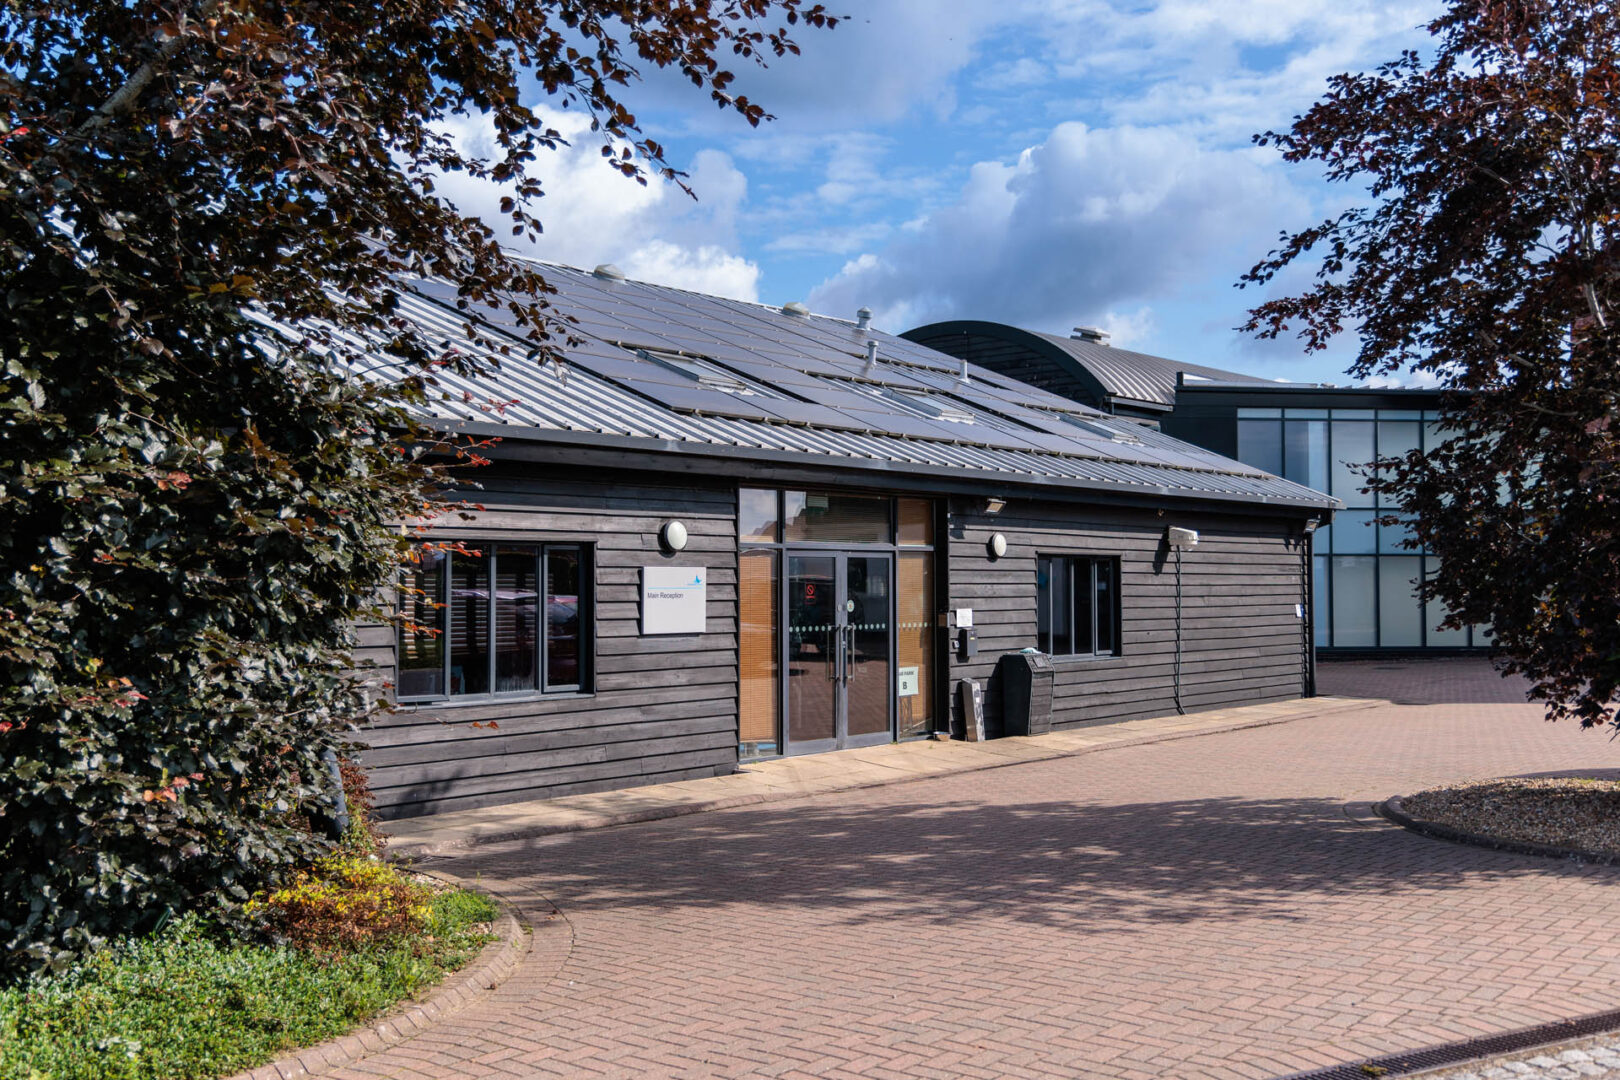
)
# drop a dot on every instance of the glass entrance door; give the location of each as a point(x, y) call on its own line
point(839, 643)
point(812, 667)
point(868, 680)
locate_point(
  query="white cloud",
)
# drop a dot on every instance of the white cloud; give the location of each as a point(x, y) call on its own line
point(1222, 67)
point(1405, 380)
point(593, 215)
point(829, 240)
point(1128, 329)
point(705, 269)
point(889, 59)
point(1080, 228)
point(1014, 74)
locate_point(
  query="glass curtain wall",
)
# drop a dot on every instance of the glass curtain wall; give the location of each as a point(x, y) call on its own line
point(1365, 580)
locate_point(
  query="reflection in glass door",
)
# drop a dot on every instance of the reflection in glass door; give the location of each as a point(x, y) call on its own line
point(867, 638)
point(813, 646)
point(840, 642)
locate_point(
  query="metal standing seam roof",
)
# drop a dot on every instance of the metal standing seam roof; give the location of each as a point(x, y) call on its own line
point(1119, 373)
point(1138, 376)
point(684, 372)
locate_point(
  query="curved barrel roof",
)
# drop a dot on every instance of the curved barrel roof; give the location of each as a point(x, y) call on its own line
point(1108, 375)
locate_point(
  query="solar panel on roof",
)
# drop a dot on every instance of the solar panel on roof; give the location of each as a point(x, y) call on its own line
point(838, 395)
point(1007, 428)
point(693, 398)
point(820, 416)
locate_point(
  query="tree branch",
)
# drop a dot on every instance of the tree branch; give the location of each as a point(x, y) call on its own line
point(126, 95)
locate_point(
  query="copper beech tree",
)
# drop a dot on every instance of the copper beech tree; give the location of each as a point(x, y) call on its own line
point(193, 512)
point(1487, 257)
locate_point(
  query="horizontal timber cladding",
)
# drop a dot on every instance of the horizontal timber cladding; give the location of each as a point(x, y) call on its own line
point(661, 707)
point(1242, 638)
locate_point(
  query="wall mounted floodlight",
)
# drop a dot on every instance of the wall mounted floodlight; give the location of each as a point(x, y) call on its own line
point(673, 536)
point(1311, 525)
point(1181, 538)
point(994, 506)
point(997, 545)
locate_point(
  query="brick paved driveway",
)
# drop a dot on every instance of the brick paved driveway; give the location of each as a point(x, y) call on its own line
point(1198, 908)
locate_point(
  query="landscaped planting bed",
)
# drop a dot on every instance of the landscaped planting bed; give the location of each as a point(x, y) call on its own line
point(185, 1004)
point(1578, 813)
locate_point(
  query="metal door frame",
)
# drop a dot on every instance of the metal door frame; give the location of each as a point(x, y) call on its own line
point(841, 739)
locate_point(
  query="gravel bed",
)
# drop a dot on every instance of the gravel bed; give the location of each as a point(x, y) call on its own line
point(1572, 812)
point(1594, 1058)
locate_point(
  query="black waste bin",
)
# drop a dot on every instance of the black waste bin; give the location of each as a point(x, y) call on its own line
point(1026, 693)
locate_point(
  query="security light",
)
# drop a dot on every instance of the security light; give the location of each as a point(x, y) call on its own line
point(673, 536)
point(994, 506)
point(1181, 538)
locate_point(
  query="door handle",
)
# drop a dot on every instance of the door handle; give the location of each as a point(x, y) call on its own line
point(835, 653)
point(848, 642)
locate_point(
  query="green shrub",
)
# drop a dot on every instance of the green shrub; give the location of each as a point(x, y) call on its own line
point(174, 649)
point(345, 903)
point(181, 1005)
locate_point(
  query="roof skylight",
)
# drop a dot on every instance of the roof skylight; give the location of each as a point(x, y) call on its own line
point(707, 374)
point(1111, 434)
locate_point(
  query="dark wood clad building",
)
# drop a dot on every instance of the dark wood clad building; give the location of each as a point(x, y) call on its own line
point(1363, 576)
point(728, 531)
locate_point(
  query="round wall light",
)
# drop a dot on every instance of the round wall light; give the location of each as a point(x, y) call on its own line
point(997, 545)
point(673, 536)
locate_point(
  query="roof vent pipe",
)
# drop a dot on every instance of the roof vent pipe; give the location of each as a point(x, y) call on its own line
point(793, 307)
point(608, 272)
point(863, 319)
point(1091, 334)
point(871, 354)
point(962, 376)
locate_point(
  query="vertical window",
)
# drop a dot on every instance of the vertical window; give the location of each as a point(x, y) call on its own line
point(421, 628)
point(1400, 616)
point(1260, 443)
point(517, 620)
point(1355, 600)
point(1103, 571)
point(1077, 606)
point(1319, 600)
point(758, 696)
point(564, 642)
point(914, 642)
point(1305, 453)
point(1352, 448)
point(469, 624)
point(502, 619)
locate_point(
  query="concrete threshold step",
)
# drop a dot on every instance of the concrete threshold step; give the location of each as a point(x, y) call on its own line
point(839, 770)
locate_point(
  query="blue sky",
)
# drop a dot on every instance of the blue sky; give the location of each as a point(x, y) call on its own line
point(1048, 163)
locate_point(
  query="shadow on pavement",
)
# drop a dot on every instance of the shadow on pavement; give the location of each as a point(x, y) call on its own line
point(1087, 868)
point(1458, 680)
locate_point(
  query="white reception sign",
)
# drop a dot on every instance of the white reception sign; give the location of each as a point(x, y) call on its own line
point(674, 599)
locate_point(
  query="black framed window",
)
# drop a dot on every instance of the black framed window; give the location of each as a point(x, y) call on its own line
point(1077, 605)
point(495, 620)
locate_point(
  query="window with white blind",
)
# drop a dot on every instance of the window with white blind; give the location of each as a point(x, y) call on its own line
point(492, 620)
